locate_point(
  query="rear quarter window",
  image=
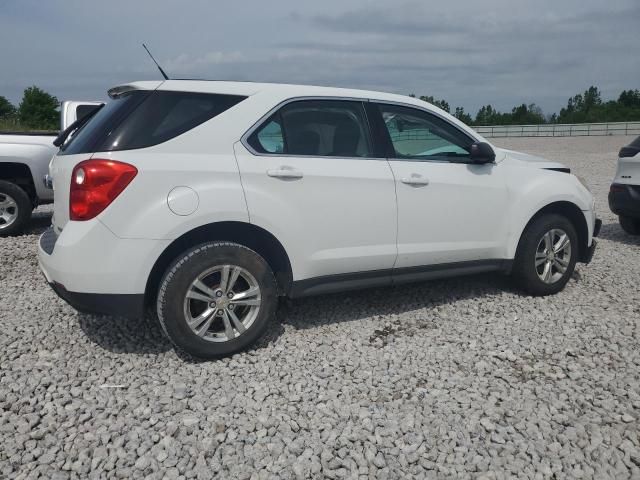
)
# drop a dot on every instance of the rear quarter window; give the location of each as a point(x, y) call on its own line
point(142, 119)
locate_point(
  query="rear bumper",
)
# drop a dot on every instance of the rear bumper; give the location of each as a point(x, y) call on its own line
point(624, 200)
point(123, 305)
point(95, 271)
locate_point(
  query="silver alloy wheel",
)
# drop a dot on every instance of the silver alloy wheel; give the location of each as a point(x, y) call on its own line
point(222, 303)
point(553, 255)
point(8, 211)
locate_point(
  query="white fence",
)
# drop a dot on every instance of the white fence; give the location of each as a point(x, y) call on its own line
point(560, 130)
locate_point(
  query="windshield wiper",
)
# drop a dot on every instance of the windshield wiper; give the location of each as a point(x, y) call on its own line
point(60, 139)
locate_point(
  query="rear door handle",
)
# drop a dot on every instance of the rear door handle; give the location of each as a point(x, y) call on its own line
point(416, 180)
point(285, 172)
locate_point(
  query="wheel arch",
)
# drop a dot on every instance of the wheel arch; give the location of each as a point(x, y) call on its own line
point(575, 215)
point(256, 238)
point(19, 174)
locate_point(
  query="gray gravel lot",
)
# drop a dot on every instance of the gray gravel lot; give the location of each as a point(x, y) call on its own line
point(463, 378)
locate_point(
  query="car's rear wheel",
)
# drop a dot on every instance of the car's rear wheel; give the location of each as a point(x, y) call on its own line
point(216, 299)
point(546, 255)
point(630, 225)
point(15, 209)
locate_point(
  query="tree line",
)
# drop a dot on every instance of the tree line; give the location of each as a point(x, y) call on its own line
point(38, 110)
point(587, 107)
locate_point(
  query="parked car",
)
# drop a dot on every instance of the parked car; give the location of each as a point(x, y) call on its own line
point(206, 200)
point(24, 161)
point(624, 194)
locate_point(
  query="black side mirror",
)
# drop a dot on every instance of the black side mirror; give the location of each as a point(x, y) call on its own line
point(481, 152)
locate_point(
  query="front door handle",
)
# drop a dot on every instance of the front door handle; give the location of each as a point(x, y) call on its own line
point(415, 180)
point(285, 172)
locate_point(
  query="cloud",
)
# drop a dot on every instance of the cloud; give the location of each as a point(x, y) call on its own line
point(186, 62)
point(502, 52)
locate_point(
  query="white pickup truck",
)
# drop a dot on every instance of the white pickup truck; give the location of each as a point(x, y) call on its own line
point(24, 163)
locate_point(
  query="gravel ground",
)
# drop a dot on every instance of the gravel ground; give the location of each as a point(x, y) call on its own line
point(461, 378)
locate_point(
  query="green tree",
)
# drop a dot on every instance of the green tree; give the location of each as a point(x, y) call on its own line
point(38, 109)
point(486, 116)
point(629, 98)
point(587, 107)
point(7, 110)
point(526, 115)
point(443, 104)
point(463, 116)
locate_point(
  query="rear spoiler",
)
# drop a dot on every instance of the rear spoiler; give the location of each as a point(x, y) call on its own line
point(115, 92)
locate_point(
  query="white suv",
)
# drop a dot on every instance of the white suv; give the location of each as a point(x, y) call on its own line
point(624, 195)
point(207, 200)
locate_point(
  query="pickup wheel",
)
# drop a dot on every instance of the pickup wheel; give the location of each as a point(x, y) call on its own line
point(216, 299)
point(15, 209)
point(546, 255)
point(630, 225)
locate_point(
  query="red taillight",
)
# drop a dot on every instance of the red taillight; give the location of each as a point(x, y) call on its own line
point(616, 188)
point(95, 184)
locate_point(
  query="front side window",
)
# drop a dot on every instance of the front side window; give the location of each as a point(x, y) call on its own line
point(326, 128)
point(418, 135)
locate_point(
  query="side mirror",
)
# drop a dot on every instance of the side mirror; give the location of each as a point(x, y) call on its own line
point(481, 152)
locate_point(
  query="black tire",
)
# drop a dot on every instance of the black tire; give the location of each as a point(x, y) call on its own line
point(173, 306)
point(23, 208)
point(630, 225)
point(525, 271)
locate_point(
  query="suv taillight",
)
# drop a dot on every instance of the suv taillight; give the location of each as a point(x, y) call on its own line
point(95, 184)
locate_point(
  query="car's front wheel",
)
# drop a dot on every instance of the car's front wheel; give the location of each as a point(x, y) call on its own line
point(546, 255)
point(216, 299)
point(630, 225)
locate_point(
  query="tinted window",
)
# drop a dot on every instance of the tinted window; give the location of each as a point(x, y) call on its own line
point(269, 138)
point(165, 115)
point(416, 134)
point(84, 110)
point(141, 119)
point(316, 127)
point(92, 134)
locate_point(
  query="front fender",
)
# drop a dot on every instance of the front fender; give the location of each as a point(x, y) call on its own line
point(543, 190)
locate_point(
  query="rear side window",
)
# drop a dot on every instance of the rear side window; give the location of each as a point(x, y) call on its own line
point(95, 131)
point(270, 138)
point(143, 119)
point(322, 128)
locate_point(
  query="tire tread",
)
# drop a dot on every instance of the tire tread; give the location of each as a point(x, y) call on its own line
point(176, 266)
point(25, 208)
point(523, 270)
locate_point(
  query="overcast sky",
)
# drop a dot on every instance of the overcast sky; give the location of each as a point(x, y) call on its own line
point(471, 53)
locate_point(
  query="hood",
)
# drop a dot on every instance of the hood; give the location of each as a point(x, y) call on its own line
point(527, 160)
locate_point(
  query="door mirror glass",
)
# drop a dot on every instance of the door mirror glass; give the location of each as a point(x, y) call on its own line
point(481, 152)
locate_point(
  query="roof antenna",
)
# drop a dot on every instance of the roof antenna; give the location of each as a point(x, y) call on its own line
point(166, 77)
